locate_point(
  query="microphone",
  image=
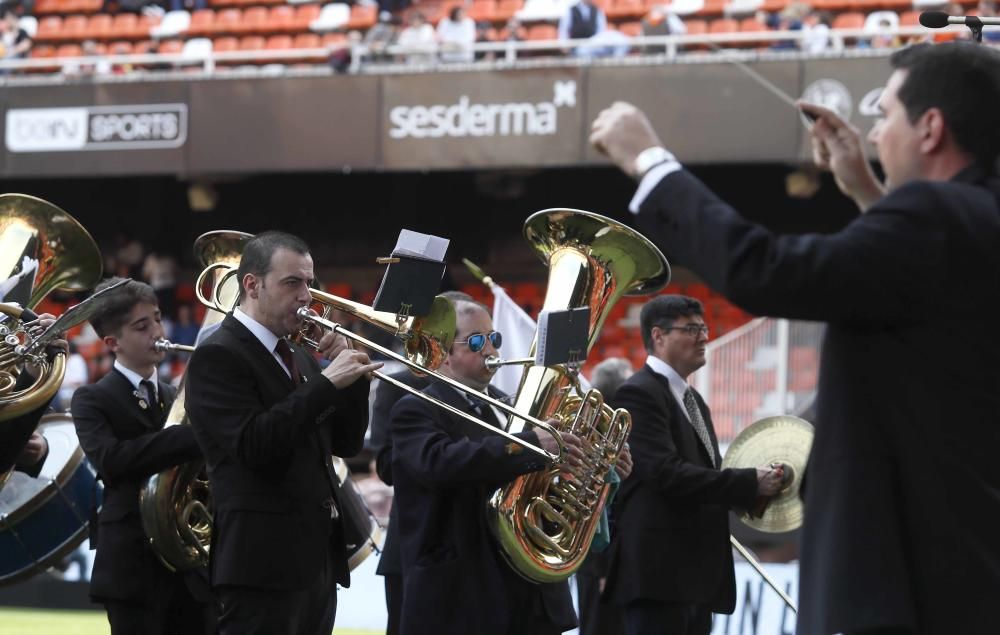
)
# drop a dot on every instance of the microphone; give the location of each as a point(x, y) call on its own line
point(940, 19)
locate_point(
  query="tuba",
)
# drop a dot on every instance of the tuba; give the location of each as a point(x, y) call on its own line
point(41, 248)
point(175, 504)
point(545, 521)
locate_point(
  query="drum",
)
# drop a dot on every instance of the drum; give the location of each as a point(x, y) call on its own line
point(43, 519)
point(362, 532)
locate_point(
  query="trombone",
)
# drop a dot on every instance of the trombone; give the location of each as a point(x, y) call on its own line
point(426, 339)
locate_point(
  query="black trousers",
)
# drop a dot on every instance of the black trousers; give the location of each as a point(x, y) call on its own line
point(255, 611)
point(596, 617)
point(393, 602)
point(646, 617)
point(170, 609)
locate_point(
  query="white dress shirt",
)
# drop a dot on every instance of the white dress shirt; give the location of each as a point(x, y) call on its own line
point(135, 379)
point(677, 384)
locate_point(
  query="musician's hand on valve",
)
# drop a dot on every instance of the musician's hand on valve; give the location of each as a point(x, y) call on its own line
point(624, 465)
point(573, 456)
point(45, 320)
point(332, 344)
point(770, 479)
point(348, 366)
point(837, 146)
point(33, 452)
point(622, 132)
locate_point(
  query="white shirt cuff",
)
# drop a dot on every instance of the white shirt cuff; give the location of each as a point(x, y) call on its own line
point(651, 179)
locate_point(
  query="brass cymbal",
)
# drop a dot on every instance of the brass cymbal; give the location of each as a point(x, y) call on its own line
point(782, 439)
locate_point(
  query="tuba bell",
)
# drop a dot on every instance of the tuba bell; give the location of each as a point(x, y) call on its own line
point(545, 521)
point(175, 504)
point(41, 248)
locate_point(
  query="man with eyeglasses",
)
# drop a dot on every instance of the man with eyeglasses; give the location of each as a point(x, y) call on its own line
point(901, 492)
point(671, 563)
point(455, 579)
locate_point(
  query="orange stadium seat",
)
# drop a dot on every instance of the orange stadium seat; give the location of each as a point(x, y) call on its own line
point(123, 25)
point(227, 43)
point(282, 19)
point(507, 8)
point(305, 14)
point(543, 32)
point(849, 20)
point(696, 27)
point(74, 28)
point(333, 39)
point(254, 20)
point(909, 18)
point(69, 50)
point(43, 51)
point(81, 6)
point(279, 42)
point(43, 7)
point(202, 23)
point(627, 9)
point(49, 28)
point(227, 21)
point(307, 41)
point(99, 27)
point(362, 18)
point(252, 43)
point(125, 48)
point(171, 47)
point(483, 10)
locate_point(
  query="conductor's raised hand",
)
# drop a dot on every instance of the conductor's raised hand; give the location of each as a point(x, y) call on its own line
point(622, 132)
point(837, 146)
point(348, 366)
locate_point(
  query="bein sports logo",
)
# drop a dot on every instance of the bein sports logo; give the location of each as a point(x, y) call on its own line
point(137, 127)
point(467, 119)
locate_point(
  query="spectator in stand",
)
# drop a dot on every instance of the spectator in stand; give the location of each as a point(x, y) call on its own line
point(658, 22)
point(790, 19)
point(188, 5)
point(585, 20)
point(342, 53)
point(185, 330)
point(816, 32)
point(884, 38)
point(484, 34)
point(515, 31)
point(419, 40)
point(456, 35)
point(381, 36)
point(76, 376)
point(87, 69)
point(159, 270)
point(16, 43)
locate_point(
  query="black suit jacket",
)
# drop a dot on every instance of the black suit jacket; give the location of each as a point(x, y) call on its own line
point(455, 578)
point(386, 397)
point(671, 540)
point(901, 500)
point(268, 446)
point(126, 446)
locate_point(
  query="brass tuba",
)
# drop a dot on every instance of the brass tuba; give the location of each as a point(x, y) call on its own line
point(175, 504)
point(543, 521)
point(41, 248)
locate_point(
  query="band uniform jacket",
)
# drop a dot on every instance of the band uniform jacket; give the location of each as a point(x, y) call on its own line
point(268, 445)
point(902, 492)
point(445, 469)
point(386, 396)
point(671, 541)
point(126, 446)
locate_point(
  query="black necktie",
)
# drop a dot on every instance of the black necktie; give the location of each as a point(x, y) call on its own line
point(284, 351)
point(154, 402)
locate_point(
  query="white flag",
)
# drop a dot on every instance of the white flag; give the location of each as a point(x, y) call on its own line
point(518, 331)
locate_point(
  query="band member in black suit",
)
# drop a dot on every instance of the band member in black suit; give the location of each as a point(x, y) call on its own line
point(269, 421)
point(21, 448)
point(899, 531)
point(389, 565)
point(119, 421)
point(445, 468)
point(671, 563)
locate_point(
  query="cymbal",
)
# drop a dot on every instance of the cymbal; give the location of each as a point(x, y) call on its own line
point(782, 439)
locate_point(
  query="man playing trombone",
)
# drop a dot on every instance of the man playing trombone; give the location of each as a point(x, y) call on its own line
point(269, 420)
point(454, 577)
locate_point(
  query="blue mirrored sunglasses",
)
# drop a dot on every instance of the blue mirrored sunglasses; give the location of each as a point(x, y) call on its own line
point(477, 341)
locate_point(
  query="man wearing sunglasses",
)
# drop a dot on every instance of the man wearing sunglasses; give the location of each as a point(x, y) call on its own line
point(455, 579)
point(671, 563)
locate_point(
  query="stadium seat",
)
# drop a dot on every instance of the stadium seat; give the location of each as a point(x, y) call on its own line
point(307, 41)
point(202, 23)
point(631, 29)
point(543, 32)
point(99, 27)
point(627, 9)
point(304, 15)
point(49, 28)
point(225, 44)
point(44, 7)
point(849, 20)
point(226, 22)
point(74, 28)
point(909, 18)
point(197, 49)
point(123, 26)
point(507, 8)
point(363, 17)
point(254, 21)
point(281, 19)
point(252, 43)
point(333, 39)
point(171, 47)
point(696, 27)
point(69, 50)
point(332, 16)
point(279, 43)
point(483, 10)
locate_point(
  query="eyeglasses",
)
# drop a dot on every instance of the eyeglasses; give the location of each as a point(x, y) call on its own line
point(477, 341)
point(694, 330)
